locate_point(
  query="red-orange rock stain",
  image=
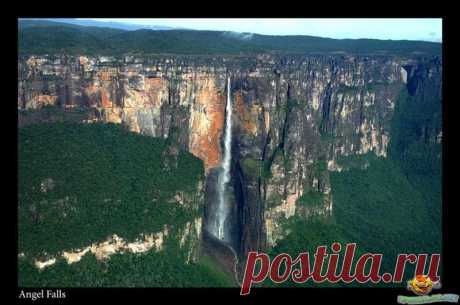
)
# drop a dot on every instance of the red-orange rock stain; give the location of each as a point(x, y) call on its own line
point(207, 145)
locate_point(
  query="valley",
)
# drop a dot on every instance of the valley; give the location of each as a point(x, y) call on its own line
point(324, 147)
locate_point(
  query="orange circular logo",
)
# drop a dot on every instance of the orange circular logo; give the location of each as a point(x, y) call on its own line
point(421, 285)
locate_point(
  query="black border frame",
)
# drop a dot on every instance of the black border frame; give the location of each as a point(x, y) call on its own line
point(449, 259)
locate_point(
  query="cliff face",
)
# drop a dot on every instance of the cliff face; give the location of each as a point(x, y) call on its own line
point(294, 117)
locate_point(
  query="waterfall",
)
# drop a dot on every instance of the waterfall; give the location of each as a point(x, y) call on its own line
point(224, 175)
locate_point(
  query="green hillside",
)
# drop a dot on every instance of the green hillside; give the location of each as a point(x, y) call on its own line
point(395, 205)
point(45, 37)
point(378, 208)
point(80, 183)
point(162, 269)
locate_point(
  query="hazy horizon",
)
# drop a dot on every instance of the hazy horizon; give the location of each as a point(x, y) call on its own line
point(422, 29)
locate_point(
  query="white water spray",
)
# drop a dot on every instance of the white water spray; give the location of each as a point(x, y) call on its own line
point(224, 176)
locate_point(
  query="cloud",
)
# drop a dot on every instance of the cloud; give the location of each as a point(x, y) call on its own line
point(237, 35)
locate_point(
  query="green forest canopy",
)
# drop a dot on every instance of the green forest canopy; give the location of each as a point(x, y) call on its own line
point(45, 37)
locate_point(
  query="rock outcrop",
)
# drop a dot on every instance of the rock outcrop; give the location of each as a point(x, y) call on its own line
point(294, 116)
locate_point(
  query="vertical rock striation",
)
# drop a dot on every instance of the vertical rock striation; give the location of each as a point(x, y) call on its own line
point(294, 117)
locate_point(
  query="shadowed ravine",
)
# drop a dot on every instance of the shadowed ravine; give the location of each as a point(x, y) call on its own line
point(223, 254)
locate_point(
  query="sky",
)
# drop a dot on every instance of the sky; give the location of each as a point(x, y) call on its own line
point(427, 29)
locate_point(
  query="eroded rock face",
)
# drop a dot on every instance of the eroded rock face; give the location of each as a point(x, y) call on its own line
point(189, 239)
point(294, 116)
